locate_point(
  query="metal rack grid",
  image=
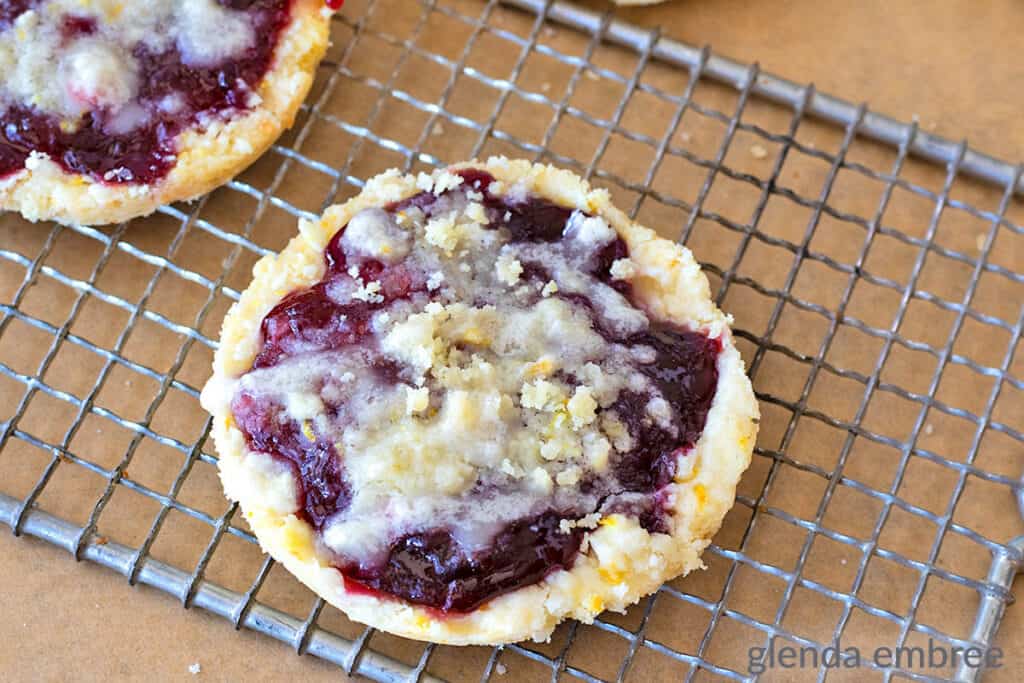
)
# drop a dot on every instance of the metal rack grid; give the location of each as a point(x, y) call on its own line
point(785, 326)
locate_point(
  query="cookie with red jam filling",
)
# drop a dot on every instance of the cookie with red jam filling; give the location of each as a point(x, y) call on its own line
point(109, 109)
point(465, 406)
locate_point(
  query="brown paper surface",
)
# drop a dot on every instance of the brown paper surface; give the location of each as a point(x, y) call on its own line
point(950, 63)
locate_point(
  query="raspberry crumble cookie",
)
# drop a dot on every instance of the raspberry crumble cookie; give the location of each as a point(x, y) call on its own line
point(465, 406)
point(109, 108)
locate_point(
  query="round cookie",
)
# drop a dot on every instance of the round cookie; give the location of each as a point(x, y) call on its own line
point(463, 407)
point(109, 109)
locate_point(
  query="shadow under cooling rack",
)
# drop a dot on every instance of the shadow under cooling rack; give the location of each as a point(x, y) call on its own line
point(874, 272)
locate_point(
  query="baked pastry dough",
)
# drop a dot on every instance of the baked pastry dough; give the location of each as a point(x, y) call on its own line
point(109, 109)
point(465, 406)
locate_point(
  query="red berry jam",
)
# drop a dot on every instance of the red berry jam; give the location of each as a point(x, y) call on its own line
point(12, 9)
point(73, 26)
point(316, 464)
point(432, 569)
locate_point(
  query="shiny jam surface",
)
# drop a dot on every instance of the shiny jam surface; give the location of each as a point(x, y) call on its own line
point(145, 154)
point(429, 567)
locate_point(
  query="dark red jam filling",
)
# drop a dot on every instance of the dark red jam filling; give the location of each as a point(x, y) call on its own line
point(147, 153)
point(316, 463)
point(429, 567)
point(12, 9)
point(311, 321)
point(74, 26)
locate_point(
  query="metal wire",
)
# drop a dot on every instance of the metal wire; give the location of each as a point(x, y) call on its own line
point(24, 513)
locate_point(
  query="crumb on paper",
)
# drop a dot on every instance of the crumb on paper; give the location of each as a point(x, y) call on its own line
point(194, 668)
point(545, 87)
point(684, 136)
point(438, 128)
point(758, 152)
point(501, 669)
point(102, 540)
point(549, 32)
point(979, 241)
point(929, 429)
point(842, 561)
point(592, 75)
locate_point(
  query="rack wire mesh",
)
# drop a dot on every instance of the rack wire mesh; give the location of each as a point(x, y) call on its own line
point(874, 270)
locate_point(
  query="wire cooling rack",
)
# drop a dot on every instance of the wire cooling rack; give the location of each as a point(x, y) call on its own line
point(873, 268)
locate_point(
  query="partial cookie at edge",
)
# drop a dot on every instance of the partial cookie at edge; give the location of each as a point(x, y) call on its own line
point(208, 158)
